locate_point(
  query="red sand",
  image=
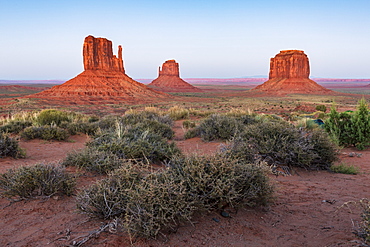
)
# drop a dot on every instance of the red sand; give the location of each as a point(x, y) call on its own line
point(307, 210)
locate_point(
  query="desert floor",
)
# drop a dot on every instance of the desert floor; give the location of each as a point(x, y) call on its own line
point(311, 208)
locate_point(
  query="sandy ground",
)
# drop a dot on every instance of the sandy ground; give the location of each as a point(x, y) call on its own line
point(309, 209)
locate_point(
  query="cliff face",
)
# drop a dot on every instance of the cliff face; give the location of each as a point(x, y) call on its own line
point(104, 77)
point(169, 79)
point(98, 55)
point(289, 72)
point(289, 64)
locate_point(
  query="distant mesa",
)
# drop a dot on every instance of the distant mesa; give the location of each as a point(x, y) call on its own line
point(289, 72)
point(169, 79)
point(104, 77)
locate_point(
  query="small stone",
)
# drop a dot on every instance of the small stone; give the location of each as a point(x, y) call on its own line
point(225, 214)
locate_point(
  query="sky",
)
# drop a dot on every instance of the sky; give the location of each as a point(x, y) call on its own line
point(42, 39)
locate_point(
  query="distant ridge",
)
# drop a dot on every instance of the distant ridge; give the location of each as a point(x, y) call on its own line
point(32, 81)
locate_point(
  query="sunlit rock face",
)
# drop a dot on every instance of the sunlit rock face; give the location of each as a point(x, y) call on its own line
point(169, 79)
point(289, 72)
point(104, 76)
point(98, 55)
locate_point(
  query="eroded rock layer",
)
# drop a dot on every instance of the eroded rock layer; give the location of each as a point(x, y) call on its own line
point(169, 79)
point(289, 73)
point(104, 77)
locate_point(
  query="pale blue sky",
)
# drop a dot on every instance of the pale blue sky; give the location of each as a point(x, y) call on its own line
point(209, 38)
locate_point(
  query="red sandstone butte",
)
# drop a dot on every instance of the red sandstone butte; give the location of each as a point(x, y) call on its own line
point(289, 72)
point(103, 78)
point(169, 79)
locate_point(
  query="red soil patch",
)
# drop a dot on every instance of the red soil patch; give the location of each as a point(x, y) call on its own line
point(307, 210)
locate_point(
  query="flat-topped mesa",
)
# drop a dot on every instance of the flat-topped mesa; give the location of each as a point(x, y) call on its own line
point(289, 64)
point(169, 79)
point(98, 55)
point(289, 72)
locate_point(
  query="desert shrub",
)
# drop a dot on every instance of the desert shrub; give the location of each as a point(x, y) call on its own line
point(306, 123)
point(345, 169)
point(224, 126)
point(107, 122)
point(73, 128)
point(187, 124)
point(14, 126)
point(130, 119)
point(149, 202)
point(191, 133)
point(133, 143)
point(51, 116)
point(36, 180)
point(161, 129)
point(279, 143)
point(364, 228)
point(324, 151)
point(178, 112)
point(157, 203)
point(321, 108)
point(45, 133)
point(350, 129)
point(21, 116)
point(10, 147)
point(236, 112)
point(217, 181)
point(108, 198)
point(93, 160)
point(220, 127)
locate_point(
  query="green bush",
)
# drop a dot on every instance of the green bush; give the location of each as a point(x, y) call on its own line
point(321, 108)
point(36, 180)
point(281, 144)
point(93, 160)
point(80, 127)
point(350, 129)
point(15, 126)
point(345, 169)
point(51, 116)
point(45, 133)
point(9, 147)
